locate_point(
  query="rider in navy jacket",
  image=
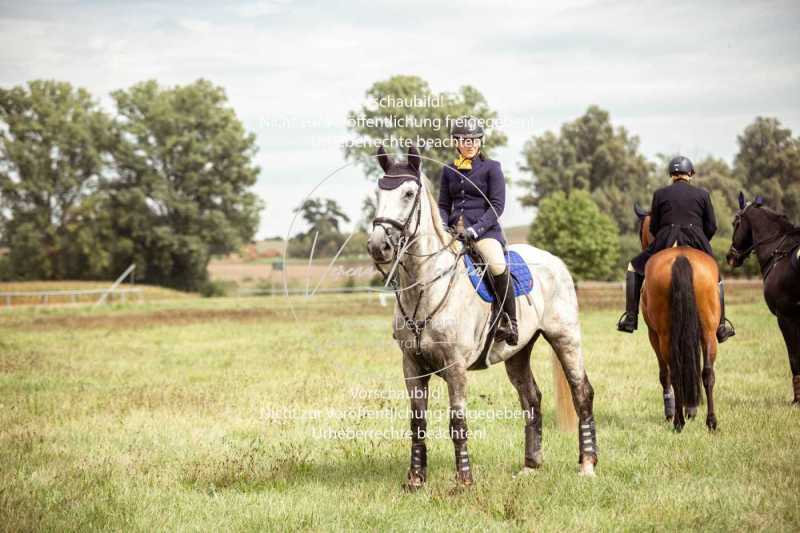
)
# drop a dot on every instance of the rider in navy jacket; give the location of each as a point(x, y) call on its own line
point(465, 193)
point(471, 198)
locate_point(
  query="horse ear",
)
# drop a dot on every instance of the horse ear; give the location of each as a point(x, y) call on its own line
point(414, 160)
point(759, 201)
point(742, 203)
point(641, 213)
point(384, 159)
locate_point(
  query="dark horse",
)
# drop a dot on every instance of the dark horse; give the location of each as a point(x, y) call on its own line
point(759, 229)
point(681, 307)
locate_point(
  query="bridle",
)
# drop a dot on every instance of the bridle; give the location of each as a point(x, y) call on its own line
point(401, 248)
point(389, 182)
point(777, 254)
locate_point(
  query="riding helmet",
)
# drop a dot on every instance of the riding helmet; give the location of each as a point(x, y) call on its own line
point(680, 165)
point(466, 127)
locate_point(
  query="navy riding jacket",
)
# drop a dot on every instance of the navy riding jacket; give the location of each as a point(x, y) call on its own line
point(682, 214)
point(465, 193)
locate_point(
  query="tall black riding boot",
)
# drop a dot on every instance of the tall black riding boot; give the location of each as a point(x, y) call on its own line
point(629, 321)
point(725, 329)
point(504, 292)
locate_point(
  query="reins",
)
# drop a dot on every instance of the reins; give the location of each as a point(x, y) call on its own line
point(392, 278)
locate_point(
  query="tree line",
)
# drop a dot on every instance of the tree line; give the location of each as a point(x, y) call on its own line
point(584, 178)
point(161, 181)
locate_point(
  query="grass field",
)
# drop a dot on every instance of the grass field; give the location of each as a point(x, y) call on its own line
point(213, 414)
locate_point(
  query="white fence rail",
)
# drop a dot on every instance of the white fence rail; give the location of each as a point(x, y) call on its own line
point(71, 295)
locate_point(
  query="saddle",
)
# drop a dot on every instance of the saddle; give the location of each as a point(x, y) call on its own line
point(521, 279)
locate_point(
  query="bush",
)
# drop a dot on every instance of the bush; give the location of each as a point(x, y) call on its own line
point(573, 228)
point(215, 289)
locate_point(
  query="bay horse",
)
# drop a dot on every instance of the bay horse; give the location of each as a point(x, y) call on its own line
point(680, 304)
point(441, 323)
point(759, 229)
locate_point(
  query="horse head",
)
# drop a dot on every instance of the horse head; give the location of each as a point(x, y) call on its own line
point(744, 226)
point(397, 216)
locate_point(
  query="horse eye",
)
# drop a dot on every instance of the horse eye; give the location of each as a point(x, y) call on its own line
point(409, 195)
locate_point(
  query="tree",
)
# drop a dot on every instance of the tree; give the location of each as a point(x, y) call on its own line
point(54, 153)
point(184, 164)
point(572, 227)
point(323, 218)
point(589, 154)
point(768, 164)
point(387, 118)
point(717, 177)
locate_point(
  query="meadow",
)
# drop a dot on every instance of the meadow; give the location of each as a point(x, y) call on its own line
point(284, 414)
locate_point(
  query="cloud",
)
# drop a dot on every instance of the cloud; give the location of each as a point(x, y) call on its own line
point(684, 76)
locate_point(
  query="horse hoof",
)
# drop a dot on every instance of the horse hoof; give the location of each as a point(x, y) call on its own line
point(587, 468)
point(526, 471)
point(691, 412)
point(464, 478)
point(678, 428)
point(711, 423)
point(414, 481)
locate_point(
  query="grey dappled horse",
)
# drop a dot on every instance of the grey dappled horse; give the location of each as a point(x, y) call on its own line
point(441, 323)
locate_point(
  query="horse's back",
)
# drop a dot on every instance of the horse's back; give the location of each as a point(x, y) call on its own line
point(658, 285)
point(658, 271)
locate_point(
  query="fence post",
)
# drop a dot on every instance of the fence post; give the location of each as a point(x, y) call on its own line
point(102, 298)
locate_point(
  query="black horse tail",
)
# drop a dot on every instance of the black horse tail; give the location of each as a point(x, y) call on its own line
point(684, 335)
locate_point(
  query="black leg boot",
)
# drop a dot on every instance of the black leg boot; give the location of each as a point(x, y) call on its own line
point(504, 292)
point(725, 329)
point(629, 321)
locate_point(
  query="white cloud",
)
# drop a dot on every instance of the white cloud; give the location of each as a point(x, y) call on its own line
point(684, 76)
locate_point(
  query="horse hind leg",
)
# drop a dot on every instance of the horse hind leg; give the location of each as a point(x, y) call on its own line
point(567, 345)
point(519, 373)
point(709, 356)
point(791, 336)
point(664, 378)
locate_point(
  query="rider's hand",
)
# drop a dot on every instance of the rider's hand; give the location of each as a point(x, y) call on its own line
point(470, 235)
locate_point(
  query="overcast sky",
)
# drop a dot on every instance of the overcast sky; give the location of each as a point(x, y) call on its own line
point(684, 76)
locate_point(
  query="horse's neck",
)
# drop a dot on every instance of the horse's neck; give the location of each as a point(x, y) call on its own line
point(768, 230)
point(428, 258)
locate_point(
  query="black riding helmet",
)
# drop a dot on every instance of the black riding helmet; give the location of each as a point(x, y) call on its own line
point(680, 165)
point(466, 127)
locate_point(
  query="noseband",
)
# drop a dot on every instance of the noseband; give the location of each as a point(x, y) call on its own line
point(389, 183)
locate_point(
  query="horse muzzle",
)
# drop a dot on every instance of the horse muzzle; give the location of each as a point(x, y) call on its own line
point(379, 246)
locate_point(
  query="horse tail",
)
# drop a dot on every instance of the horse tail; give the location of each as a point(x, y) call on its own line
point(566, 417)
point(684, 335)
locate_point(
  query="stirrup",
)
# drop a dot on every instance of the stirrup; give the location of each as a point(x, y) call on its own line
point(725, 330)
point(627, 324)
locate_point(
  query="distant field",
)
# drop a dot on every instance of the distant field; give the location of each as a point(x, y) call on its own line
point(150, 292)
point(199, 414)
point(261, 271)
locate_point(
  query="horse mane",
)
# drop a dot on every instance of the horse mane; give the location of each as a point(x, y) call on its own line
point(781, 219)
point(436, 219)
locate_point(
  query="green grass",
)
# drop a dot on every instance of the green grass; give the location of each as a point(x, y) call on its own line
point(162, 416)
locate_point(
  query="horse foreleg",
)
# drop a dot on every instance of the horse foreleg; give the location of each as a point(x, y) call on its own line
point(456, 378)
point(709, 356)
point(519, 373)
point(663, 377)
point(567, 345)
point(417, 387)
point(791, 336)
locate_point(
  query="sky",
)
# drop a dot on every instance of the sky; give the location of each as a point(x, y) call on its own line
point(685, 76)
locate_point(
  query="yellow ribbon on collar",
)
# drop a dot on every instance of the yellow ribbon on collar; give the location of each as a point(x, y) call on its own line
point(462, 163)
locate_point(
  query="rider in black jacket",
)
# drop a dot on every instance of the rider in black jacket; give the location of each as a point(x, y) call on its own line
point(681, 215)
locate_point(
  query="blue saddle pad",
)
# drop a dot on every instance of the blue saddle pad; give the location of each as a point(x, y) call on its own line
point(520, 273)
